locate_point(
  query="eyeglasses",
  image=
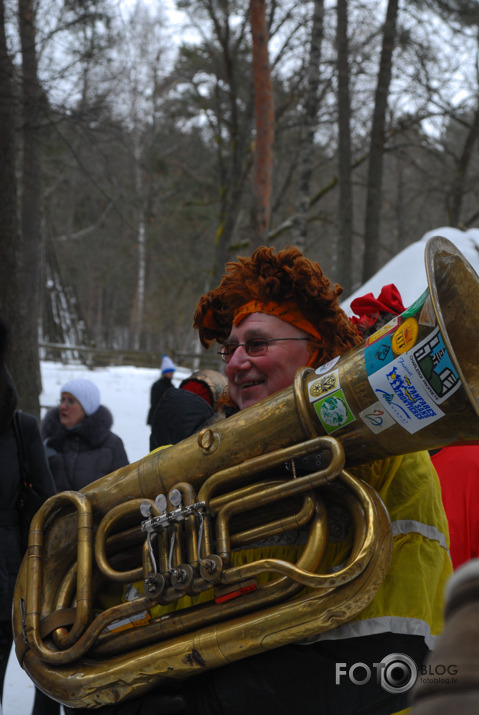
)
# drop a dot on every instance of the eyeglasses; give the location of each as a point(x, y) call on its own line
point(253, 347)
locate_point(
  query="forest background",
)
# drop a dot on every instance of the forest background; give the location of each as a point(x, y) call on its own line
point(137, 156)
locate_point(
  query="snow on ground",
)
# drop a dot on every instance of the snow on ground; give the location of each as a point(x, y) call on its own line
point(126, 392)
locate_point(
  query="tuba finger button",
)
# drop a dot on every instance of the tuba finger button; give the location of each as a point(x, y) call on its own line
point(175, 497)
point(161, 503)
point(146, 509)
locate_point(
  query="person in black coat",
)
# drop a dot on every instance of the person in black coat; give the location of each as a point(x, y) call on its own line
point(184, 410)
point(78, 439)
point(81, 448)
point(161, 385)
point(11, 477)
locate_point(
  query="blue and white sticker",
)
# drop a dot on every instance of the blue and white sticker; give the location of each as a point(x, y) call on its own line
point(433, 364)
point(402, 392)
point(378, 354)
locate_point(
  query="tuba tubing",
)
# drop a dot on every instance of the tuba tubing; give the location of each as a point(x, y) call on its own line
point(361, 406)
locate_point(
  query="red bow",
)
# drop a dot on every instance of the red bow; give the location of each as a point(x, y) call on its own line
point(369, 308)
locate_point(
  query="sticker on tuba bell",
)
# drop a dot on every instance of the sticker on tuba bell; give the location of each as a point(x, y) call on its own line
point(323, 386)
point(334, 412)
point(427, 316)
point(405, 336)
point(326, 366)
point(434, 366)
point(402, 392)
point(385, 330)
point(376, 418)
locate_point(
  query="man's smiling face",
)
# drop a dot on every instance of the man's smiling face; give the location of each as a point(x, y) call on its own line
point(252, 378)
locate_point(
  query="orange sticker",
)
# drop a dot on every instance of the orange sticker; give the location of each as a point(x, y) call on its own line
point(427, 316)
point(405, 336)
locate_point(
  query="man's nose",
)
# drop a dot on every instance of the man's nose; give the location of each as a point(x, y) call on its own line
point(239, 357)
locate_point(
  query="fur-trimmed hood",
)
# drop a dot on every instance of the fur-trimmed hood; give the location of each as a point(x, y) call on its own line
point(84, 453)
point(94, 430)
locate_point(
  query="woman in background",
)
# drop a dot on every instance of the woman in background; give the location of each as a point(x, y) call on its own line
point(81, 448)
point(78, 439)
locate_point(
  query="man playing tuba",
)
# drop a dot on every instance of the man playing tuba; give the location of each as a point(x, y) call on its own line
point(273, 313)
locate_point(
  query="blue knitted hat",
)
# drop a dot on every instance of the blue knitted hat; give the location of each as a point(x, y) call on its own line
point(167, 365)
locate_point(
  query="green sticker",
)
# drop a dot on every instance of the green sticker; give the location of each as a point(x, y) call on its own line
point(416, 306)
point(333, 412)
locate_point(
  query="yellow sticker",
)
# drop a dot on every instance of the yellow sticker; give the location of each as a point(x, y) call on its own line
point(405, 336)
point(383, 331)
point(323, 385)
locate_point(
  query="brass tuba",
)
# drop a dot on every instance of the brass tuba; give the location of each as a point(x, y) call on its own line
point(174, 520)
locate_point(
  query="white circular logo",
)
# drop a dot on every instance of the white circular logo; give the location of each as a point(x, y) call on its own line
point(334, 412)
point(398, 673)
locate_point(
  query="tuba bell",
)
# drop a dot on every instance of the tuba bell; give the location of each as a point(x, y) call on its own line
point(173, 520)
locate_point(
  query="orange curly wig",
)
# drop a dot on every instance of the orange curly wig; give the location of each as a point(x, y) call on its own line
point(284, 277)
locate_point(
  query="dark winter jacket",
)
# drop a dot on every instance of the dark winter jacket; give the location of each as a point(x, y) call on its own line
point(10, 477)
point(84, 453)
point(157, 391)
point(178, 414)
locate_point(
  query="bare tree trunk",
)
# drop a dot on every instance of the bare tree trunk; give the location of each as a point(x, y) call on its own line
point(9, 239)
point(300, 221)
point(377, 143)
point(345, 207)
point(232, 128)
point(264, 104)
point(27, 369)
point(226, 230)
point(456, 193)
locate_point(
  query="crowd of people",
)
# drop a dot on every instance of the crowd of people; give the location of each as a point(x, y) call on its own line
point(271, 314)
